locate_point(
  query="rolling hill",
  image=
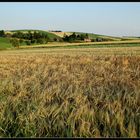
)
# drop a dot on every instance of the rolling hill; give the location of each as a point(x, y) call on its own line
point(5, 43)
point(50, 35)
point(94, 36)
point(59, 35)
point(111, 38)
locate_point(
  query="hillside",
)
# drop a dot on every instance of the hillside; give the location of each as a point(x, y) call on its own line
point(94, 36)
point(4, 43)
point(61, 34)
point(56, 39)
point(50, 35)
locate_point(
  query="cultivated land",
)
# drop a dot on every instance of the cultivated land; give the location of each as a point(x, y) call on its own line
point(90, 44)
point(70, 91)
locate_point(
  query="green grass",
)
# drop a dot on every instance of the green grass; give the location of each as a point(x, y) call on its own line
point(4, 43)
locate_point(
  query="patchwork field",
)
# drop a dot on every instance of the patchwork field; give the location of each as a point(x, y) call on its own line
point(70, 92)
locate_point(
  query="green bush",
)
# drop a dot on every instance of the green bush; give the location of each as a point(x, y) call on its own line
point(28, 42)
point(15, 43)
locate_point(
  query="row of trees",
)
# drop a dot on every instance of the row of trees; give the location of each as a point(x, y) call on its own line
point(75, 38)
point(55, 31)
point(33, 37)
point(28, 38)
point(81, 37)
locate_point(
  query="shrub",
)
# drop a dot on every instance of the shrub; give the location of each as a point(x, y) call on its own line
point(28, 42)
point(15, 43)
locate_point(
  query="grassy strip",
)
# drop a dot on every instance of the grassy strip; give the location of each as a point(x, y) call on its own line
point(82, 44)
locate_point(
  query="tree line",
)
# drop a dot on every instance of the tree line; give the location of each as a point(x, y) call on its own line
point(81, 37)
point(35, 37)
point(75, 37)
point(27, 38)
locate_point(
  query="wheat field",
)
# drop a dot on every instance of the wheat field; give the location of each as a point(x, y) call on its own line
point(69, 94)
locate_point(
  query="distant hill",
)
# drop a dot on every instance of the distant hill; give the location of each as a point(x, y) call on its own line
point(55, 35)
point(94, 36)
point(91, 35)
point(61, 34)
point(50, 35)
point(131, 37)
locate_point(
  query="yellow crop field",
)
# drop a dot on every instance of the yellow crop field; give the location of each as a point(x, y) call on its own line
point(61, 34)
point(91, 92)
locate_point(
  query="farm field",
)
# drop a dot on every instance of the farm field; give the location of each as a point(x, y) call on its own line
point(69, 70)
point(108, 43)
point(70, 92)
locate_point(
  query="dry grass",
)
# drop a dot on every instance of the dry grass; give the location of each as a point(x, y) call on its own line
point(81, 95)
point(61, 34)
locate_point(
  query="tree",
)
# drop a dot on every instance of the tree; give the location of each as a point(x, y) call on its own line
point(41, 41)
point(28, 42)
point(55, 39)
point(18, 35)
point(65, 37)
point(21, 41)
point(33, 41)
point(35, 34)
point(86, 36)
point(99, 39)
point(93, 40)
point(2, 34)
point(82, 36)
point(78, 37)
point(15, 43)
point(73, 36)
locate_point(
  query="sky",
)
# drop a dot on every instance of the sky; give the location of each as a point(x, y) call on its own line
point(106, 18)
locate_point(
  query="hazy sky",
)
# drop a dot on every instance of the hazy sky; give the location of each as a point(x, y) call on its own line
point(109, 18)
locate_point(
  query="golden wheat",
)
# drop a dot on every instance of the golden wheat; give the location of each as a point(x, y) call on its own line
point(84, 95)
